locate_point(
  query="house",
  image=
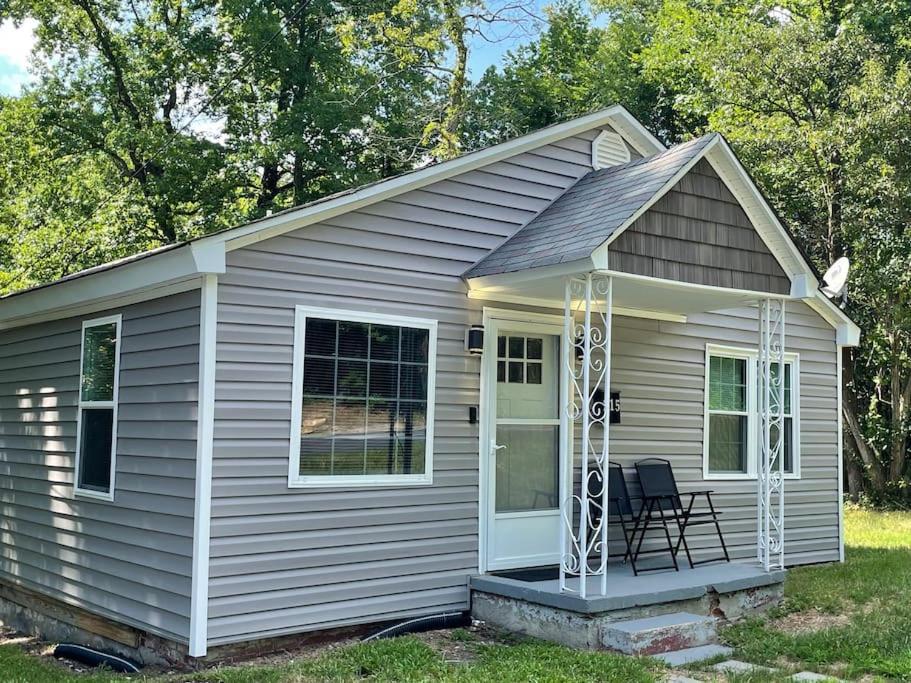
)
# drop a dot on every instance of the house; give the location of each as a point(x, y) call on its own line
point(358, 410)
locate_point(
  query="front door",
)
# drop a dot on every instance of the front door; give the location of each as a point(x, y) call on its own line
point(522, 409)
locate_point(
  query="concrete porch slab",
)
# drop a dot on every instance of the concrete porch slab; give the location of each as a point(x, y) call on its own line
point(624, 590)
point(539, 609)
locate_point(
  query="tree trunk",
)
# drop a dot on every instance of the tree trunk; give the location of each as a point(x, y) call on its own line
point(853, 474)
point(899, 438)
point(874, 469)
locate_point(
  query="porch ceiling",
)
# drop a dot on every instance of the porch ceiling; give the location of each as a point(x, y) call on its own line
point(631, 293)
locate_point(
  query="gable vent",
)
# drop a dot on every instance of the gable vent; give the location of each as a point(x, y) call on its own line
point(608, 149)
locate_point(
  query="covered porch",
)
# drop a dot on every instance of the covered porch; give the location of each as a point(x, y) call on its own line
point(588, 574)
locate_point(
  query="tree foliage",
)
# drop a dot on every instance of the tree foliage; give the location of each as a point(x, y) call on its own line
point(814, 98)
point(155, 120)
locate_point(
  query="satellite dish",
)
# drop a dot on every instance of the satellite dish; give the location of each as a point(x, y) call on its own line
point(835, 278)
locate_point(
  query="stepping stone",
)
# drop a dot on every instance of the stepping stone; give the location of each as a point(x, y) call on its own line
point(663, 633)
point(734, 666)
point(675, 678)
point(691, 655)
point(812, 676)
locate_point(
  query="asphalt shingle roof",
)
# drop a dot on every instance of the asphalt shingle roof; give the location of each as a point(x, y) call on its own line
point(589, 212)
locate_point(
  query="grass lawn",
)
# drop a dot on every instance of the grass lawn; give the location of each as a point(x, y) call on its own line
point(853, 620)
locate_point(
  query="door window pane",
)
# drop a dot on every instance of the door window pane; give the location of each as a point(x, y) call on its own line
point(527, 388)
point(526, 477)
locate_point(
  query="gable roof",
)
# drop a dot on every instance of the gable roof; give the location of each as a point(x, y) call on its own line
point(591, 211)
point(180, 266)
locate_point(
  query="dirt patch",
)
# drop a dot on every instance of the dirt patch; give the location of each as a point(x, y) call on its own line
point(811, 621)
point(461, 645)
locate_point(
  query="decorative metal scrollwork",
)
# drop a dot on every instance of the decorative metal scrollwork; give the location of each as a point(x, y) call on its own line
point(583, 497)
point(771, 373)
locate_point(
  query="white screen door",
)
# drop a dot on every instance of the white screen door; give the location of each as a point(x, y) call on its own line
point(524, 429)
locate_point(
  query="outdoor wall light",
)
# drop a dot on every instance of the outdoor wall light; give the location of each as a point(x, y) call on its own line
point(474, 341)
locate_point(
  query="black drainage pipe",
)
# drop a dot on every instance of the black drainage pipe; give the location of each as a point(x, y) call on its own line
point(430, 623)
point(90, 657)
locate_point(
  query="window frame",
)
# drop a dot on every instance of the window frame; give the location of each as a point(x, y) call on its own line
point(78, 491)
point(751, 355)
point(295, 479)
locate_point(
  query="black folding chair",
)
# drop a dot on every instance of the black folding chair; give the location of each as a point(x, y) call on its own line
point(660, 493)
point(620, 508)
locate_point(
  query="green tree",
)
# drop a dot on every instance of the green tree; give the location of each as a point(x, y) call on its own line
point(151, 121)
point(574, 67)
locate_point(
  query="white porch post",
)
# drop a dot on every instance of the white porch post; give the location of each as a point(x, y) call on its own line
point(770, 475)
point(585, 394)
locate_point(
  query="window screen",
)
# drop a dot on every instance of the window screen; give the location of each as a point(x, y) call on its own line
point(364, 398)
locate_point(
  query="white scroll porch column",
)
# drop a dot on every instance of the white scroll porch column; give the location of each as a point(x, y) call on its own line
point(585, 401)
point(770, 475)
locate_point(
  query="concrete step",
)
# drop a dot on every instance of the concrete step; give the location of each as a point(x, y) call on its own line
point(664, 633)
point(692, 655)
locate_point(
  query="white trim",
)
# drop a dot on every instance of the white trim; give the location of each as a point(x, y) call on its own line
point(678, 284)
point(552, 303)
point(751, 354)
point(487, 414)
point(205, 435)
point(78, 491)
point(105, 304)
point(841, 460)
point(301, 313)
point(847, 333)
point(143, 274)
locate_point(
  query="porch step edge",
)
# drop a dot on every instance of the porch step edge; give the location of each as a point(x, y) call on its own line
point(661, 621)
point(691, 655)
point(659, 634)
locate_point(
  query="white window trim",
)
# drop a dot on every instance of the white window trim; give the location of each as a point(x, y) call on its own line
point(752, 357)
point(113, 404)
point(295, 480)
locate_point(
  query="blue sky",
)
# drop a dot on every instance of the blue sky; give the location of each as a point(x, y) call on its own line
point(16, 44)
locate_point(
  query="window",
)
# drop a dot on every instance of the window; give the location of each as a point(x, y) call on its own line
point(96, 432)
point(729, 415)
point(362, 407)
point(732, 414)
point(519, 359)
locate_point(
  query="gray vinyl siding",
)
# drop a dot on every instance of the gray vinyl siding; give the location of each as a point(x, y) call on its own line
point(285, 560)
point(659, 369)
point(129, 559)
point(698, 233)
